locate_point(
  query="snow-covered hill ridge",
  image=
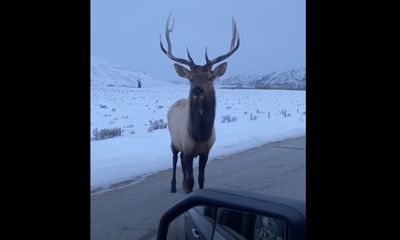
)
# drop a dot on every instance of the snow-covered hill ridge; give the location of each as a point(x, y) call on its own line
point(107, 74)
point(294, 79)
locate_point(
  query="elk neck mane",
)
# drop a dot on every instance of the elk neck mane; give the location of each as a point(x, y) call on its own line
point(201, 117)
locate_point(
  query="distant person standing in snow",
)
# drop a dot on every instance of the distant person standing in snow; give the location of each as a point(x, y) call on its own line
point(139, 83)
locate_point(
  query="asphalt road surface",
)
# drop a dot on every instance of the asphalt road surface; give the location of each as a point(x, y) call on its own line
point(133, 212)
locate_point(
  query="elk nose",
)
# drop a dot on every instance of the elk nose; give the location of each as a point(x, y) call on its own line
point(197, 90)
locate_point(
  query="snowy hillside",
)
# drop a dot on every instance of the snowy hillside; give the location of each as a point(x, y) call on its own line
point(104, 73)
point(245, 118)
point(291, 80)
point(238, 81)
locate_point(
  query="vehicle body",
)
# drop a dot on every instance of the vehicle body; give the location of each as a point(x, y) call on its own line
point(225, 214)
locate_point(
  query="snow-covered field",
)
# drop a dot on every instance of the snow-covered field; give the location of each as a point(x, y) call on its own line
point(260, 118)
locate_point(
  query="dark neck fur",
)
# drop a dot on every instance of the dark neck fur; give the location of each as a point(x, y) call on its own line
point(201, 125)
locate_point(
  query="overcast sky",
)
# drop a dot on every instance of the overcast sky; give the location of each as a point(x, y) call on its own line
point(272, 33)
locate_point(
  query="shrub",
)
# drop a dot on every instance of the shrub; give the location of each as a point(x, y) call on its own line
point(106, 133)
point(157, 124)
point(228, 118)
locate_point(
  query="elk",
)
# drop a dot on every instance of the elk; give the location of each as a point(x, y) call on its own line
point(191, 120)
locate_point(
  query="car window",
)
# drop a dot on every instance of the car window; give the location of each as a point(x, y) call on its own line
point(234, 224)
point(267, 228)
point(209, 212)
point(238, 225)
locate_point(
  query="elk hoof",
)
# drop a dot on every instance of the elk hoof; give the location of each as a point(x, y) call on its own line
point(186, 189)
point(173, 189)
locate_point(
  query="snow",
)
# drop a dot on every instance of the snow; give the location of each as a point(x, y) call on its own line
point(138, 152)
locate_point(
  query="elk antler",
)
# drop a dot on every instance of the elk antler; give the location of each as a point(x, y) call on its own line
point(235, 35)
point(169, 52)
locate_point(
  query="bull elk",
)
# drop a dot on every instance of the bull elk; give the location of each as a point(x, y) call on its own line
point(191, 120)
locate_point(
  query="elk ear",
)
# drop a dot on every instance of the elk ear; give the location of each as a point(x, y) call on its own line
point(181, 71)
point(219, 70)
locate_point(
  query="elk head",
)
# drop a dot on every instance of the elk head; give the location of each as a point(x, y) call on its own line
point(201, 77)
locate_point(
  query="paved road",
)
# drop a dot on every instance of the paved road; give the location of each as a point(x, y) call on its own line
point(133, 212)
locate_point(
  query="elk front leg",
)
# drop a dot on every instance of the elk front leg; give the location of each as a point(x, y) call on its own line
point(189, 169)
point(202, 165)
point(184, 172)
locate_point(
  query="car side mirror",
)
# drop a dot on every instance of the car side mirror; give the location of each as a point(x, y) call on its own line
point(227, 214)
